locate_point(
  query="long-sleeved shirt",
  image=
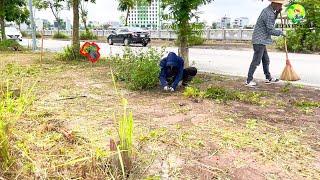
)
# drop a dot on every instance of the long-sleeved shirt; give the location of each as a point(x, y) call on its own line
point(171, 59)
point(264, 27)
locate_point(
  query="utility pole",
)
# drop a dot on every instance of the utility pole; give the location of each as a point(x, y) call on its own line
point(34, 43)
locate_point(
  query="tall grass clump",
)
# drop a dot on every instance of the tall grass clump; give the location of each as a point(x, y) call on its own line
point(11, 109)
point(124, 147)
point(69, 54)
point(137, 69)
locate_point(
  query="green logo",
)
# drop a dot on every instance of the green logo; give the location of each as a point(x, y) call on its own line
point(296, 13)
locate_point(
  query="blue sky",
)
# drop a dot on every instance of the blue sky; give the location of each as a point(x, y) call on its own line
point(106, 10)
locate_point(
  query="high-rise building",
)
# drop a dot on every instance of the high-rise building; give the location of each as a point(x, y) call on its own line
point(146, 15)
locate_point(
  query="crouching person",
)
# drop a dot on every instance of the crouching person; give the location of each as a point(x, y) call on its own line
point(172, 72)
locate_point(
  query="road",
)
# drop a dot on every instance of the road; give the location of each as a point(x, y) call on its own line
point(228, 62)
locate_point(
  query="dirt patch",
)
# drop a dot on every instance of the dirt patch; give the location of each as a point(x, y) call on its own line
point(175, 137)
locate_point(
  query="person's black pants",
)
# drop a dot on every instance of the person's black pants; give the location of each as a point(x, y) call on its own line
point(188, 74)
point(260, 53)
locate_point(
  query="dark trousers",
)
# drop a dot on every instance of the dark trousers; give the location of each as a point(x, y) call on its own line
point(188, 74)
point(260, 53)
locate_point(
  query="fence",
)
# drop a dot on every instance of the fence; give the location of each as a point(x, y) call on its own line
point(210, 34)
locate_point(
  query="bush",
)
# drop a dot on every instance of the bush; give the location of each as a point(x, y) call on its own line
point(38, 35)
point(138, 70)
point(7, 45)
point(88, 36)
point(24, 34)
point(196, 40)
point(70, 54)
point(301, 40)
point(60, 36)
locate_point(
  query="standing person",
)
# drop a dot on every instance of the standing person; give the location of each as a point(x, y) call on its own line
point(172, 72)
point(261, 37)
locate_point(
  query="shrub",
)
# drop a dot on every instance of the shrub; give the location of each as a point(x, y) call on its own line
point(88, 36)
point(196, 40)
point(7, 45)
point(138, 70)
point(24, 34)
point(70, 54)
point(60, 36)
point(301, 40)
point(38, 35)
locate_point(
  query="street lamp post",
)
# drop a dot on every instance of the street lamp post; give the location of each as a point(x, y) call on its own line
point(34, 43)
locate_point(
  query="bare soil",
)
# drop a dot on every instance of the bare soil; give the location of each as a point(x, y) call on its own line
point(175, 137)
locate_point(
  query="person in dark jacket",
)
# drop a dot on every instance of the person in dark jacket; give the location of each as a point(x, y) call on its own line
point(172, 72)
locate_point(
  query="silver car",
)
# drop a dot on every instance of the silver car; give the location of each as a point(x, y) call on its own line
point(13, 33)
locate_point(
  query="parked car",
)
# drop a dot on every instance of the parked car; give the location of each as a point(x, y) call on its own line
point(13, 33)
point(129, 35)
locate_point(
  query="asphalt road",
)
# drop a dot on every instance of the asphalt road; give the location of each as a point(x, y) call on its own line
point(229, 62)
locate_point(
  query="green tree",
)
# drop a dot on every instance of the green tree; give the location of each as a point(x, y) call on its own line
point(23, 16)
point(127, 5)
point(56, 6)
point(75, 4)
point(214, 25)
point(312, 13)
point(228, 26)
point(181, 12)
point(12, 10)
point(84, 13)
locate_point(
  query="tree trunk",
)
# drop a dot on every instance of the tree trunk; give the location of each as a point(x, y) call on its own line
point(84, 15)
point(84, 21)
point(126, 23)
point(3, 33)
point(2, 20)
point(58, 22)
point(86, 27)
point(184, 50)
point(75, 30)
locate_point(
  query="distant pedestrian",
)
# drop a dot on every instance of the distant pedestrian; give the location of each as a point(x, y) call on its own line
point(172, 72)
point(261, 37)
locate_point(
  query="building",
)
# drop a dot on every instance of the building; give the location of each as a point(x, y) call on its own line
point(94, 24)
point(146, 15)
point(65, 24)
point(240, 22)
point(225, 22)
point(113, 24)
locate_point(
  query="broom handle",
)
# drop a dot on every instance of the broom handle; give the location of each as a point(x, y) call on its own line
point(285, 38)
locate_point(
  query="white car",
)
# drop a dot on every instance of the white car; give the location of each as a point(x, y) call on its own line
point(13, 33)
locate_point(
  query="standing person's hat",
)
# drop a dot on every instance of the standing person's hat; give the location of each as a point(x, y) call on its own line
point(278, 1)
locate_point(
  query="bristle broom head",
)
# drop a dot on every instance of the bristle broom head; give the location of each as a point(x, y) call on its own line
point(289, 74)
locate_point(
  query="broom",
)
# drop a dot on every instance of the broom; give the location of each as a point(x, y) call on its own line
point(288, 74)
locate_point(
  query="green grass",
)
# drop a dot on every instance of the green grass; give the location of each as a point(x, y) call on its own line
point(11, 109)
point(222, 94)
point(60, 36)
point(7, 45)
